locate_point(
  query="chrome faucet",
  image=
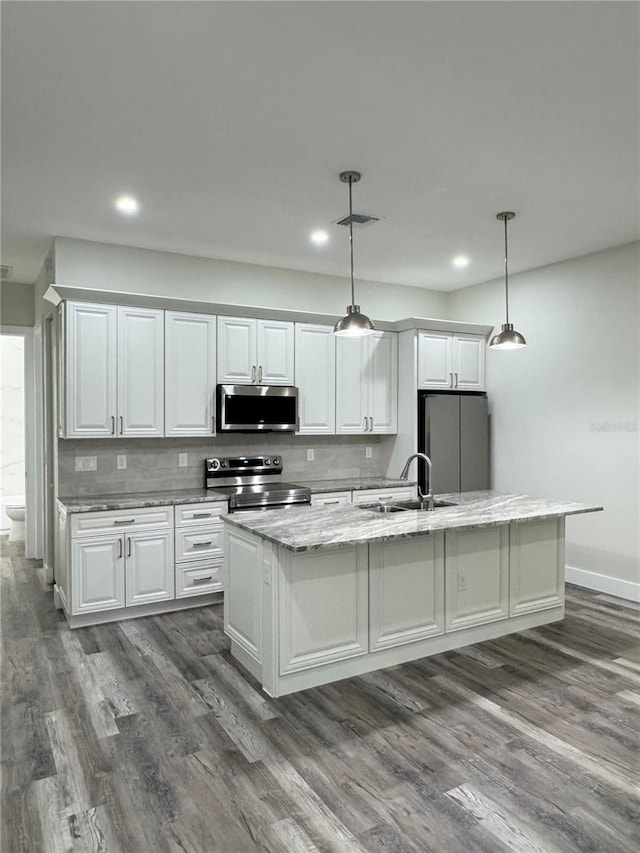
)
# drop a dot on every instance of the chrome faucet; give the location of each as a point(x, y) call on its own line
point(426, 501)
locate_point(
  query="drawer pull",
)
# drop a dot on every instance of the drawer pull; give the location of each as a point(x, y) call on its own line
point(202, 544)
point(202, 514)
point(327, 503)
point(124, 521)
point(202, 580)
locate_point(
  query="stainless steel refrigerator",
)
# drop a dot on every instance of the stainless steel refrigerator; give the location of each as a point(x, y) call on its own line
point(453, 430)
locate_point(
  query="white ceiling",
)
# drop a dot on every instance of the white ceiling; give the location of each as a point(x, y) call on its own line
point(230, 122)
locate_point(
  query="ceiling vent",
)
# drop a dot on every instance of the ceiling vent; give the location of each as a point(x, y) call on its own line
point(358, 220)
point(5, 272)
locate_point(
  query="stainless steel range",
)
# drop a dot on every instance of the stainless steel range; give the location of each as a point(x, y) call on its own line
point(253, 482)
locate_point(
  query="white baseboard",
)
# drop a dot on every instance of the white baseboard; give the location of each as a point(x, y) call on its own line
point(603, 583)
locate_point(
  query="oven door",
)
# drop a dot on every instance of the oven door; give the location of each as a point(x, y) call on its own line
point(257, 408)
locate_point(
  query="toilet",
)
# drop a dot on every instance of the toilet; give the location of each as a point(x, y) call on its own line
point(15, 512)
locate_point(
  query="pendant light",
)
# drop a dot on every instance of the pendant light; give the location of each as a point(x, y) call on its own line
point(354, 323)
point(508, 338)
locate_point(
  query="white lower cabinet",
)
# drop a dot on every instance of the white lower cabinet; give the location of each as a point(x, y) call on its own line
point(406, 591)
point(97, 574)
point(537, 565)
point(476, 577)
point(199, 548)
point(372, 496)
point(149, 574)
point(323, 607)
point(331, 499)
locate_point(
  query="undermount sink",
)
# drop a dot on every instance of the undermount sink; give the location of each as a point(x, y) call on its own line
point(404, 506)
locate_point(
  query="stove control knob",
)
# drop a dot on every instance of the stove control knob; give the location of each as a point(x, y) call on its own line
point(267, 461)
point(276, 460)
point(214, 464)
point(223, 463)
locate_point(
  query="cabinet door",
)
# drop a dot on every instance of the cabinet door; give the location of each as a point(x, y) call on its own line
point(149, 567)
point(237, 342)
point(140, 372)
point(323, 602)
point(406, 591)
point(90, 370)
point(275, 352)
point(536, 565)
point(97, 570)
point(190, 373)
point(383, 382)
point(315, 376)
point(469, 362)
point(352, 386)
point(476, 576)
point(435, 360)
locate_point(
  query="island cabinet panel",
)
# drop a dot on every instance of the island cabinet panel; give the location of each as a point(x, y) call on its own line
point(406, 591)
point(537, 565)
point(476, 576)
point(323, 602)
point(243, 598)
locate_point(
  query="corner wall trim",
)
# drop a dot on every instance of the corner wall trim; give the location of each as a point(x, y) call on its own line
point(603, 583)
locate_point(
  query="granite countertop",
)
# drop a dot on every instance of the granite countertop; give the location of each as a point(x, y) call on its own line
point(349, 484)
point(311, 528)
point(134, 500)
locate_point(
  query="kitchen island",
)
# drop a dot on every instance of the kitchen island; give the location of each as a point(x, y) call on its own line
point(313, 595)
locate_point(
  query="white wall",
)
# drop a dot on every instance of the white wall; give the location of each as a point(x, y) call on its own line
point(16, 304)
point(566, 408)
point(102, 266)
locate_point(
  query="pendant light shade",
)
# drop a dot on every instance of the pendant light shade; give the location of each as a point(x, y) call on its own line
point(354, 323)
point(508, 337)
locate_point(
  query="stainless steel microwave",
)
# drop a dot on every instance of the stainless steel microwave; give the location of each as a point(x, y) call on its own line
point(257, 408)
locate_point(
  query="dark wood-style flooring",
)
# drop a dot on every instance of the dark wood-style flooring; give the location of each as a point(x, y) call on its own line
point(145, 736)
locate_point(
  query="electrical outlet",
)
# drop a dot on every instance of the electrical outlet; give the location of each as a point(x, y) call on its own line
point(121, 462)
point(182, 460)
point(368, 452)
point(86, 463)
point(311, 454)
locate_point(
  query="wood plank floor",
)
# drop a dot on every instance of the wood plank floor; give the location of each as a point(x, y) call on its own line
point(144, 736)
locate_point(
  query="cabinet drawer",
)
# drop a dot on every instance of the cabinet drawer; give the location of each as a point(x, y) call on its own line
point(150, 518)
point(198, 579)
point(383, 495)
point(199, 543)
point(192, 515)
point(331, 498)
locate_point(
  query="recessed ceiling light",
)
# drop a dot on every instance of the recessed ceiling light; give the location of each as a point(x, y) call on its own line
point(319, 237)
point(461, 261)
point(127, 205)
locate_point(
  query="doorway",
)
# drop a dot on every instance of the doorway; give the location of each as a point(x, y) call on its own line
point(18, 431)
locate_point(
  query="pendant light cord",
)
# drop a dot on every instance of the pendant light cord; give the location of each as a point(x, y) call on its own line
point(353, 290)
point(506, 269)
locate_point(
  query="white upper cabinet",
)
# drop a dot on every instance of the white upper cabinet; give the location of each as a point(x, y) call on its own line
point(451, 360)
point(315, 376)
point(275, 352)
point(113, 371)
point(366, 383)
point(383, 382)
point(255, 352)
point(190, 373)
point(140, 372)
point(88, 358)
point(469, 362)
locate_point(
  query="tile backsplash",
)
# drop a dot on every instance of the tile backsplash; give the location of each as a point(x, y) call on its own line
point(152, 463)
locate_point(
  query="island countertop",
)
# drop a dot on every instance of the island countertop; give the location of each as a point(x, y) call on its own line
point(312, 528)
